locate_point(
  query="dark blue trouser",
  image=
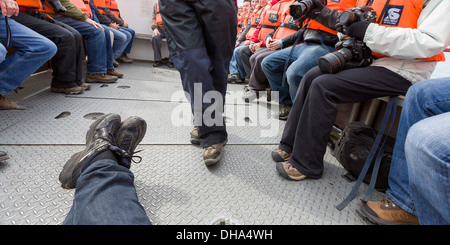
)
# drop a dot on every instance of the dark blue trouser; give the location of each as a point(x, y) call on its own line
point(201, 37)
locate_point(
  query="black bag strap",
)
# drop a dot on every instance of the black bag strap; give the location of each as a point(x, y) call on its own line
point(390, 112)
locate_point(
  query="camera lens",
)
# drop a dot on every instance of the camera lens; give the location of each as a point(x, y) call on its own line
point(347, 18)
point(333, 62)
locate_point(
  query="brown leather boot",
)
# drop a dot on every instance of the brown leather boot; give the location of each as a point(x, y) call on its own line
point(113, 72)
point(386, 212)
point(213, 154)
point(100, 78)
point(124, 59)
point(9, 105)
point(73, 90)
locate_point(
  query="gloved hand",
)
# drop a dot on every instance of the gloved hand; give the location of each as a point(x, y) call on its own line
point(56, 6)
point(358, 29)
point(315, 11)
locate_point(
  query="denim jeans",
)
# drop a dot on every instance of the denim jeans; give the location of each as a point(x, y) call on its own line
point(33, 50)
point(3, 52)
point(96, 44)
point(420, 167)
point(130, 43)
point(236, 65)
point(106, 195)
point(303, 58)
point(121, 40)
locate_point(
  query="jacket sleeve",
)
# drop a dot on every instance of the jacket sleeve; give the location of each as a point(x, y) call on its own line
point(430, 38)
point(153, 24)
point(72, 11)
point(113, 17)
point(102, 19)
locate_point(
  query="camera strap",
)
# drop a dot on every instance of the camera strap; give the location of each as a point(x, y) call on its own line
point(383, 12)
point(8, 33)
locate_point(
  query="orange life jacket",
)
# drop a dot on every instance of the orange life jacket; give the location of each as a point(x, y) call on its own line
point(272, 18)
point(287, 27)
point(341, 5)
point(30, 3)
point(101, 5)
point(255, 19)
point(158, 15)
point(113, 7)
point(84, 6)
point(398, 13)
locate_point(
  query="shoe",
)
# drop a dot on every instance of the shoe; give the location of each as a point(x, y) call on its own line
point(73, 90)
point(85, 86)
point(246, 88)
point(115, 63)
point(99, 138)
point(194, 137)
point(124, 59)
point(235, 78)
point(213, 153)
point(284, 112)
point(385, 212)
point(100, 78)
point(113, 72)
point(131, 132)
point(3, 156)
point(9, 105)
point(250, 95)
point(289, 172)
point(170, 65)
point(157, 63)
point(279, 155)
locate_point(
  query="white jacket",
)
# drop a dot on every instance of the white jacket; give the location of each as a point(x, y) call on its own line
point(404, 45)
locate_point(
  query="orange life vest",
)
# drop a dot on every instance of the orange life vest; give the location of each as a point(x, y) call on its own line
point(341, 5)
point(158, 15)
point(398, 13)
point(113, 7)
point(287, 27)
point(101, 5)
point(255, 19)
point(271, 19)
point(30, 3)
point(84, 6)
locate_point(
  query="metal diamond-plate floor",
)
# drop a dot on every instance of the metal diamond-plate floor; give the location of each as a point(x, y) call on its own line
point(172, 183)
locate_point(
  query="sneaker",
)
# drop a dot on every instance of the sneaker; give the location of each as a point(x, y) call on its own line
point(250, 95)
point(124, 59)
point(73, 90)
point(115, 63)
point(235, 78)
point(3, 156)
point(131, 132)
point(157, 63)
point(284, 112)
point(100, 78)
point(289, 172)
point(113, 72)
point(279, 155)
point(9, 105)
point(213, 154)
point(99, 138)
point(385, 212)
point(194, 137)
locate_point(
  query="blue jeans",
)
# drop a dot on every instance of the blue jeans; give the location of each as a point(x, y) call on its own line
point(3, 52)
point(121, 40)
point(106, 194)
point(130, 43)
point(236, 65)
point(303, 58)
point(97, 45)
point(33, 50)
point(420, 169)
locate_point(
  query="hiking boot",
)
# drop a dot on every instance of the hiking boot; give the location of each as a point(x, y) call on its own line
point(124, 59)
point(9, 105)
point(85, 86)
point(194, 137)
point(130, 134)
point(115, 63)
point(284, 112)
point(113, 72)
point(385, 212)
point(73, 90)
point(289, 172)
point(279, 155)
point(213, 153)
point(100, 78)
point(99, 138)
point(235, 78)
point(3, 156)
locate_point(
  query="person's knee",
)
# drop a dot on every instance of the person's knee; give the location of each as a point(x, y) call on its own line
point(46, 49)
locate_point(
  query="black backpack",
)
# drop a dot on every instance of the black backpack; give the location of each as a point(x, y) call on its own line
point(353, 148)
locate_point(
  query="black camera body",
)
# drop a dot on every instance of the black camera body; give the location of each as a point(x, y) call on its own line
point(300, 8)
point(349, 52)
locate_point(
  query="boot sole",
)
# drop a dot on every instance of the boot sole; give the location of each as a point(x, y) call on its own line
point(88, 80)
point(368, 213)
point(4, 158)
point(209, 162)
point(277, 158)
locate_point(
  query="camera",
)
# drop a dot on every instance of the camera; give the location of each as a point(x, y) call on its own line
point(349, 52)
point(56, 6)
point(300, 8)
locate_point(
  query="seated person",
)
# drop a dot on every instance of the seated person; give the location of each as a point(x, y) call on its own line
point(158, 34)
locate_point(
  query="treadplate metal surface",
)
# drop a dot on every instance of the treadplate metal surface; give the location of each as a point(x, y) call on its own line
point(172, 182)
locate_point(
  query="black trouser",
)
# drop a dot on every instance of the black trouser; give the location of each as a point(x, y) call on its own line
point(314, 111)
point(201, 37)
point(67, 62)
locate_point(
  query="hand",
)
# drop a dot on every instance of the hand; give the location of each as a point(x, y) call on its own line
point(9, 8)
point(318, 6)
point(269, 40)
point(114, 25)
point(93, 23)
point(247, 42)
point(274, 45)
point(125, 24)
point(358, 29)
point(156, 32)
point(254, 47)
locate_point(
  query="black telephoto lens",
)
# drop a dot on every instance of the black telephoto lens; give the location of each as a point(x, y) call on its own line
point(333, 62)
